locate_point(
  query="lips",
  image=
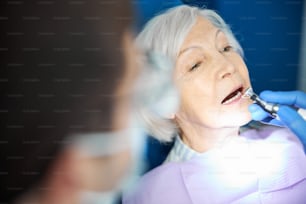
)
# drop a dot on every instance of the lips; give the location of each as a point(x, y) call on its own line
point(234, 95)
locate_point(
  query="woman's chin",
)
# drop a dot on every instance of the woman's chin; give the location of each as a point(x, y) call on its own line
point(235, 120)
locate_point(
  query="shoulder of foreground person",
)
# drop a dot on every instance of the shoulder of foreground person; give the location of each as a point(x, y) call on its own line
point(159, 186)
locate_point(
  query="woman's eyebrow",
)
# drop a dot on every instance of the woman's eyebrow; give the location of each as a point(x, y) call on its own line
point(217, 33)
point(198, 47)
point(188, 48)
point(216, 36)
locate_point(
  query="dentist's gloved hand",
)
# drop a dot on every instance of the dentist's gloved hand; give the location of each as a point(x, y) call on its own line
point(287, 115)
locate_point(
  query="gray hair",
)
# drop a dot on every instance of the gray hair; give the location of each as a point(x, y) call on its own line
point(165, 34)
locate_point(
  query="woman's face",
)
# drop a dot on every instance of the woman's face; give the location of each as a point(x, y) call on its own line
point(211, 77)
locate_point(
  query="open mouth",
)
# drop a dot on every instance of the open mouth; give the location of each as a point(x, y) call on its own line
point(232, 96)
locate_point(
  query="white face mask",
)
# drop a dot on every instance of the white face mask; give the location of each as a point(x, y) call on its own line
point(90, 197)
point(107, 144)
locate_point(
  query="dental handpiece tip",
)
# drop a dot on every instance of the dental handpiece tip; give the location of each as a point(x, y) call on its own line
point(248, 93)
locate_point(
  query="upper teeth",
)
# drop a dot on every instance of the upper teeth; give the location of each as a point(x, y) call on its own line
point(233, 98)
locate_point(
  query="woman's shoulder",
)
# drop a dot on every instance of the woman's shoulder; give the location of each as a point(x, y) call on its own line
point(165, 180)
point(164, 170)
point(171, 170)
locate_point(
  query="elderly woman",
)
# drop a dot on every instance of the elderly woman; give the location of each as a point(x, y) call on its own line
point(213, 160)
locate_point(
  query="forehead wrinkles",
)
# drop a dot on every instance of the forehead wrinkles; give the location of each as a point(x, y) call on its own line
point(202, 30)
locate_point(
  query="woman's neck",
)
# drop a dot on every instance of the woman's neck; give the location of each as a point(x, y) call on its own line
point(202, 139)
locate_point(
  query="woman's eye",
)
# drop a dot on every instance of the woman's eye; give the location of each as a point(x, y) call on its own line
point(227, 48)
point(195, 66)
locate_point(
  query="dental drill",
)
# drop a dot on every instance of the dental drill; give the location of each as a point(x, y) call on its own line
point(271, 108)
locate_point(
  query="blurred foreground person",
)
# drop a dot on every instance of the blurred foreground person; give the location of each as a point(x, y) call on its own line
point(66, 86)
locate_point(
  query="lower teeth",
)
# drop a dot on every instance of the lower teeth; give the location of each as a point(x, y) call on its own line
point(233, 98)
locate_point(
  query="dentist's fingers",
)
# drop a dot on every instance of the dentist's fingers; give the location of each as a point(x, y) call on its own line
point(293, 121)
point(259, 114)
point(293, 98)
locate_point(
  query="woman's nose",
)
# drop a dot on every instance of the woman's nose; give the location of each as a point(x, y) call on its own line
point(226, 68)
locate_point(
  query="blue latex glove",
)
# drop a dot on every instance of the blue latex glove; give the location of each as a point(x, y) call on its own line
point(287, 115)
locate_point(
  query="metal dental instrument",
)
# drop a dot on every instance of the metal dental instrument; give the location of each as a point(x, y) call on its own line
point(271, 108)
point(268, 107)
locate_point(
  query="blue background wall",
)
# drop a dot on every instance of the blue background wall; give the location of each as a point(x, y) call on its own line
point(269, 32)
